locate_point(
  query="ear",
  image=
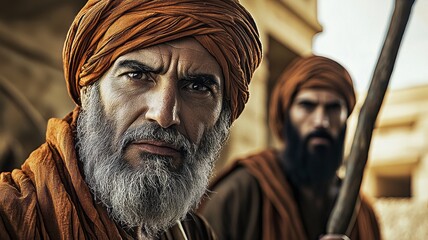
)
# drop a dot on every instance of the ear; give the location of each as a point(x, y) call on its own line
point(83, 95)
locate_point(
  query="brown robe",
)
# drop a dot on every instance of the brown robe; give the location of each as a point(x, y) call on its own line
point(48, 198)
point(253, 200)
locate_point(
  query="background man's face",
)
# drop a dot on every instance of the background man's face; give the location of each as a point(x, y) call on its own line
point(315, 136)
point(318, 111)
point(177, 85)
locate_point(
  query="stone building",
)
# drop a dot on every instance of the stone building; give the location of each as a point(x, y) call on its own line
point(397, 169)
point(287, 29)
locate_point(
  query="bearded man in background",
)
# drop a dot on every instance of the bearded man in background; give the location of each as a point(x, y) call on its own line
point(289, 193)
point(157, 85)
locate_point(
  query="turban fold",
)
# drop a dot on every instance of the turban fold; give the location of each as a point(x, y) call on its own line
point(309, 72)
point(106, 29)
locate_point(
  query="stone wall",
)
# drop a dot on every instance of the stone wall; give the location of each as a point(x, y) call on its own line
point(402, 218)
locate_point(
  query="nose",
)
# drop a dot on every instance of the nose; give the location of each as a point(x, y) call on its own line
point(164, 106)
point(321, 119)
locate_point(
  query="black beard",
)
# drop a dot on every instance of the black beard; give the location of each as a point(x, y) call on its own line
point(304, 166)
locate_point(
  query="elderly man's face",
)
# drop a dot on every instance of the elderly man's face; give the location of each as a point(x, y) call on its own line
point(149, 132)
point(176, 85)
point(316, 111)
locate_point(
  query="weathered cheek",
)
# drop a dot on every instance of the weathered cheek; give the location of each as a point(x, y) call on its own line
point(127, 113)
point(196, 125)
point(197, 134)
point(110, 104)
point(199, 119)
point(214, 115)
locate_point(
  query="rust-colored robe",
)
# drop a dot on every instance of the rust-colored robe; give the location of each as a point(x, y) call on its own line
point(253, 200)
point(49, 199)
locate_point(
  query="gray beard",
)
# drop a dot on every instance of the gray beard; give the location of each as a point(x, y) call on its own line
point(156, 194)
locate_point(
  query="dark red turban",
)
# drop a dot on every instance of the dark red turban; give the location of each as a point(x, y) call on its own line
point(310, 72)
point(106, 29)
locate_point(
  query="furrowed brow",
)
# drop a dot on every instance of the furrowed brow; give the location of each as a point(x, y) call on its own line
point(306, 100)
point(134, 64)
point(207, 78)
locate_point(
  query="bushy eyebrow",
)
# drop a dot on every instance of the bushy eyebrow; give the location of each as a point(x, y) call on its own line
point(134, 64)
point(334, 104)
point(137, 65)
point(314, 101)
point(207, 78)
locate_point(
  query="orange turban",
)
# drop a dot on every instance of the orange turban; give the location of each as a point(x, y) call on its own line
point(106, 29)
point(310, 72)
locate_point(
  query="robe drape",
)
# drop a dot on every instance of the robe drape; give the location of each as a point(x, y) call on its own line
point(253, 200)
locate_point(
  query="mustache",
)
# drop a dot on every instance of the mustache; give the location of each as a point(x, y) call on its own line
point(151, 131)
point(321, 134)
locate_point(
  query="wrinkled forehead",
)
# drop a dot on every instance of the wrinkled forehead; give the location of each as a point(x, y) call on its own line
point(187, 55)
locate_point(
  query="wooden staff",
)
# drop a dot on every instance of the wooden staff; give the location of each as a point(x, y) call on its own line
point(344, 207)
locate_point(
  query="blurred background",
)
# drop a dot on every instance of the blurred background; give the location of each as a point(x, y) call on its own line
point(32, 88)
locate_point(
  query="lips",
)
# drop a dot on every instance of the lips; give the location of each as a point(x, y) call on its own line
point(158, 148)
point(320, 141)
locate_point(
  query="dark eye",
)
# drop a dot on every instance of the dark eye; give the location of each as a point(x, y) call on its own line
point(198, 87)
point(137, 75)
point(334, 107)
point(200, 84)
point(135, 71)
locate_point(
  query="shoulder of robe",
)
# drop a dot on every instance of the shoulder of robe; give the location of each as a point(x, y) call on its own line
point(233, 205)
point(18, 185)
point(238, 190)
point(18, 198)
point(238, 181)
